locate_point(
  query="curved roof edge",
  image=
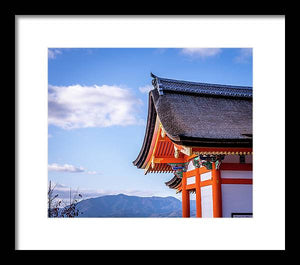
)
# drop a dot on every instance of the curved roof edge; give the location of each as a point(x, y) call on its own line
point(151, 120)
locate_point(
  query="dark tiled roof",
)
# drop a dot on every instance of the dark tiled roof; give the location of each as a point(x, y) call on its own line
point(174, 182)
point(192, 115)
point(188, 118)
point(165, 85)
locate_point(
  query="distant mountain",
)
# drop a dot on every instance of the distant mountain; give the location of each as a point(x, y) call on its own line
point(131, 206)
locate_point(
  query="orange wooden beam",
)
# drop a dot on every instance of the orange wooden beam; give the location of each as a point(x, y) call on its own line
point(205, 183)
point(190, 173)
point(185, 198)
point(179, 147)
point(216, 191)
point(198, 194)
point(188, 158)
point(191, 186)
point(202, 184)
point(165, 139)
point(158, 160)
point(203, 170)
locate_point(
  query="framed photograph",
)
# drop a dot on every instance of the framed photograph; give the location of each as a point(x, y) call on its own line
point(133, 126)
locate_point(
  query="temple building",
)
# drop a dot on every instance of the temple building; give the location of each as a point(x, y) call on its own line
point(202, 134)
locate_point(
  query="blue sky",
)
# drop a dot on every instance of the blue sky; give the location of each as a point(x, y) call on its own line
point(97, 110)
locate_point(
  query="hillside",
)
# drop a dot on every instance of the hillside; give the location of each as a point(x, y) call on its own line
point(131, 206)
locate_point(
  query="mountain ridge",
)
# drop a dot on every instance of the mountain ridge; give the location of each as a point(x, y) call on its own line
point(122, 205)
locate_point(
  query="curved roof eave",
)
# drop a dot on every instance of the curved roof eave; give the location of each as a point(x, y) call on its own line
point(151, 120)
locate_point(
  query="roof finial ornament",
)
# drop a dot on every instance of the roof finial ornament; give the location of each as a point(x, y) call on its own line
point(153, 75)
point(156, 83)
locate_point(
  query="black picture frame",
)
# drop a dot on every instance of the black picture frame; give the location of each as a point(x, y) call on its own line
point(238, 215)
point(11, 117)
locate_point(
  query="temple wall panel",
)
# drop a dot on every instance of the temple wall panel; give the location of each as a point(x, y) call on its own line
point(236, 198)
point(206, 201)
point(205, 176)
point(236, 174)
point(191, 180)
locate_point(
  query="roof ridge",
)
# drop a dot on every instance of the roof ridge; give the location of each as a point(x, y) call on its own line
point(200, 83)
point(173, 85)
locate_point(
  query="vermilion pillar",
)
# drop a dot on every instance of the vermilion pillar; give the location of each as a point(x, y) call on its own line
point(216, 191)
point(198, 194)
point(185, 198)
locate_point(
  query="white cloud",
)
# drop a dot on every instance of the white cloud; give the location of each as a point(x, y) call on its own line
point(77, 106)
point(92, 172)
point(145, 89)
point(201, 52)
point(65, 168)
point(52, 53)
point(244, 56)
point(70, 168)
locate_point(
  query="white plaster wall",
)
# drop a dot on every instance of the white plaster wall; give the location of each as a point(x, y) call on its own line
point(236, 174)
point(206, 201)
point(190, 180)
point(190, 166)
point(205, 176)
point(236, 198)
